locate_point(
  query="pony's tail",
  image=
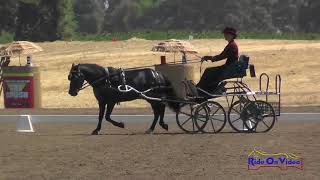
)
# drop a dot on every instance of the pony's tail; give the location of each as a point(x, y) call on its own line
point(174, 106)
point(172, 95)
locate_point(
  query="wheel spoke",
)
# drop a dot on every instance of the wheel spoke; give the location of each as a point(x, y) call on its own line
point(202, 116)
point(265, 124)
point(236, 120)
point(202, 120)
point(215, 112)
point(214, 130)
point(193, 126)
point(217, 119)
point(186, 121)
point(185, 113)
point(236, 110)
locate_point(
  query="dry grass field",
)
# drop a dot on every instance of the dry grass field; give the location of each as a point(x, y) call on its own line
point(296, 61)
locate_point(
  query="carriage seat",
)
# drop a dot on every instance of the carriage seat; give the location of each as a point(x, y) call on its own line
point(237, 69)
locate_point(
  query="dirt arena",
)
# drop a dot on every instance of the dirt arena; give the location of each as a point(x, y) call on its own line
point(67, 151)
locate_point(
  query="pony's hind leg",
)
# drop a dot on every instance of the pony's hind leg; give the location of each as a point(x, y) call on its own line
point(108, 116)
point(156, 111)
point(161, 122)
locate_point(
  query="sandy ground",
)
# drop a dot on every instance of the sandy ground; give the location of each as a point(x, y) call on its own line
point(128, 111)
point(296, 61)
point(66, 151)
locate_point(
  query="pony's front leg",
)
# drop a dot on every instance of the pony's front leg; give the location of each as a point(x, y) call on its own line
point(108, 116)
point(102, 108)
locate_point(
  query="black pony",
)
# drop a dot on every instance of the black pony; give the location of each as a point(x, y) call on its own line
point(105, 83)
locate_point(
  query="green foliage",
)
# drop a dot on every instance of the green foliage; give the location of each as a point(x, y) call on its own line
point(158, 35)
point(48, 20)
point(37, 22)
point(6, 37)
point(66, 23)
point(146, 4)
point(8, 11)
point(35, 2)
point(208, 15)
point(284, 36)
point(89, 15)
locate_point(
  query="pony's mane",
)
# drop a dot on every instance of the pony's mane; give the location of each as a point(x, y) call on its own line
point(90, 65)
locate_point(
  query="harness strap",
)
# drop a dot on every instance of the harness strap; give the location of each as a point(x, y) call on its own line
point(122, 77)
point(107, 76)
point(157, 77)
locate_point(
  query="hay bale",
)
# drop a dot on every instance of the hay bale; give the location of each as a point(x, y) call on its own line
point(176, 73)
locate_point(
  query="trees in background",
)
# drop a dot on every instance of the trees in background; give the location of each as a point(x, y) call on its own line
point(247, 15)
point(38, 20)
point(8, 11)
point(66, 23)
point(308, 19)
point(90, 15)
point(46, 20)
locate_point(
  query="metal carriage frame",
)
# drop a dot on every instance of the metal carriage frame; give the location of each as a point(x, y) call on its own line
point(247, 111)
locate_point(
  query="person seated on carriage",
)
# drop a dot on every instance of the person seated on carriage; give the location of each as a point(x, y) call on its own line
point(214, 75)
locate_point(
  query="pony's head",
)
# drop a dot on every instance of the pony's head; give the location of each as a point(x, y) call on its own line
point(76, 79)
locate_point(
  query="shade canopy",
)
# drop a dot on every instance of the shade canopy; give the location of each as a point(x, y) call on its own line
point(174, 46)
point(18, 48)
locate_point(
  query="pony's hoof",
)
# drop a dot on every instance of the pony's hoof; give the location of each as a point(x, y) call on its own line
point(121, 125)
point(165, 126)
point(149, 131)
point(95, 133)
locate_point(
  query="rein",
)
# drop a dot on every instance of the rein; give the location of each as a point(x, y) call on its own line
point(85, 85)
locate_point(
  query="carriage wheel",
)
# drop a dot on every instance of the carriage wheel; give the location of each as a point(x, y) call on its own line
point(210, 117)
point(259, 116)
point(185, 119)
point(201, 116)
point(234, 117)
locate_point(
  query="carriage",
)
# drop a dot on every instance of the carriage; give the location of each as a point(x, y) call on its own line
point(245, 110)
